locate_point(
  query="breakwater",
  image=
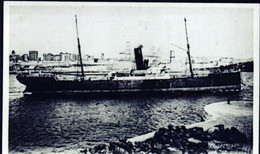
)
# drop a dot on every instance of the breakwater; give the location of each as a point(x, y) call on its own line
point(179, 139)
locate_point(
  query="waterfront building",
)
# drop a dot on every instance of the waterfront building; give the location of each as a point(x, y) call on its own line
point(226, 61)
point(44, 56)
point(56, 58)
point(33, 55)
point(65, 56)
point(88, 57)
point(14, 57)
point(74, 57)
point(102, 56)
point(47, 57)
point(25, 57)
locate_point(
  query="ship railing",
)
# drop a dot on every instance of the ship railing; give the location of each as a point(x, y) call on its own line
point(73, 77)
point(188, 75)
point(60, 77)
point(33, 71)
point(150, 77)
point(46, 75)
point(36, 75)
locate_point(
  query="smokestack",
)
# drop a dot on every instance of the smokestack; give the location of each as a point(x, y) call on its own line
point(139, 57)
point(141, 64)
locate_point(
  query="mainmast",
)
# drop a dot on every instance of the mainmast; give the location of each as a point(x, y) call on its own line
point(188, 47)
point(80, 58)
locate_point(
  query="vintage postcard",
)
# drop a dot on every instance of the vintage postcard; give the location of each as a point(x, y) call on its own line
point(130, 77)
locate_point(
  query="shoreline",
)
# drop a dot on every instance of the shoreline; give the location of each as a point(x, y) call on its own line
point(220, 114)
point(229, 130)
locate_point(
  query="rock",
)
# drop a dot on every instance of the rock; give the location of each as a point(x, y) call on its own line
point(117, 148)
point(158, 146)
point(237, 136)
point(150, 141)
point(164, 151)
point(98, 148)
point(120, 150)
point(208, 137)
point(145, 146)
point(171, 141)
point(203, 144)
point(170, 127)
point(220, 127)
point(178, 143)
point(177, 128)
point(211, 129)
point(227, 135)
point(156, 150)
point(194, 140)
point(173, 150)
point(162, 130)
point(173, 134)
point(183, 129)
point(84, 151)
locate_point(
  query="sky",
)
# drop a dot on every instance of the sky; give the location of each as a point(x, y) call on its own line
point(212, 31)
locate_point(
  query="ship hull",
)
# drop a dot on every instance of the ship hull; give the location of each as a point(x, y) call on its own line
point(216, 82)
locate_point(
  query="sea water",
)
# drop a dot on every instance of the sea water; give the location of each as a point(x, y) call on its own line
point(69, 123)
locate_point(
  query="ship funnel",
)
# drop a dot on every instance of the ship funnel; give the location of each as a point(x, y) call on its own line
point(141, 64)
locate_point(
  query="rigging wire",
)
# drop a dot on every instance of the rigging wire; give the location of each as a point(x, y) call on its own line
point(179, 47)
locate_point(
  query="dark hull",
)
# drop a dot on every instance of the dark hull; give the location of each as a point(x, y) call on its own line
point(216, 82)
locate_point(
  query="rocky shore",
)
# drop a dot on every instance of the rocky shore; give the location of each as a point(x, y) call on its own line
point(229, 130)
point(181, 139)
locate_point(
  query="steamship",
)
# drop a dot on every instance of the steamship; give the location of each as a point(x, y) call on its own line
point(135, 81)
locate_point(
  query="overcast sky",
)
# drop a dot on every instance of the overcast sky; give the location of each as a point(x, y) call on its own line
point(212, 31)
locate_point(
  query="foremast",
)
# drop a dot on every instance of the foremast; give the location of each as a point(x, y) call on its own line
point(79, 48)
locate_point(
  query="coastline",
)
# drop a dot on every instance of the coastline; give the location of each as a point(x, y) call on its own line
point(230, 115)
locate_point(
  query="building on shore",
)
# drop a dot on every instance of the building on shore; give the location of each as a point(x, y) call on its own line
point(56, 58)
point(47, 57)
point(14, 57)
point(25, 57)
point(65, 56)
point(33, 55)
point(74, 57)
point(102, 56)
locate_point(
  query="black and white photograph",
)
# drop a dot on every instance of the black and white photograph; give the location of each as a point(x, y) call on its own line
point(114, 77)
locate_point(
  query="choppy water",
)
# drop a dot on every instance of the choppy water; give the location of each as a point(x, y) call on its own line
point(71, 123)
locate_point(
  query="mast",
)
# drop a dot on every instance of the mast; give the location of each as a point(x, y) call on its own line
point(188, 47)
point(80, 59)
